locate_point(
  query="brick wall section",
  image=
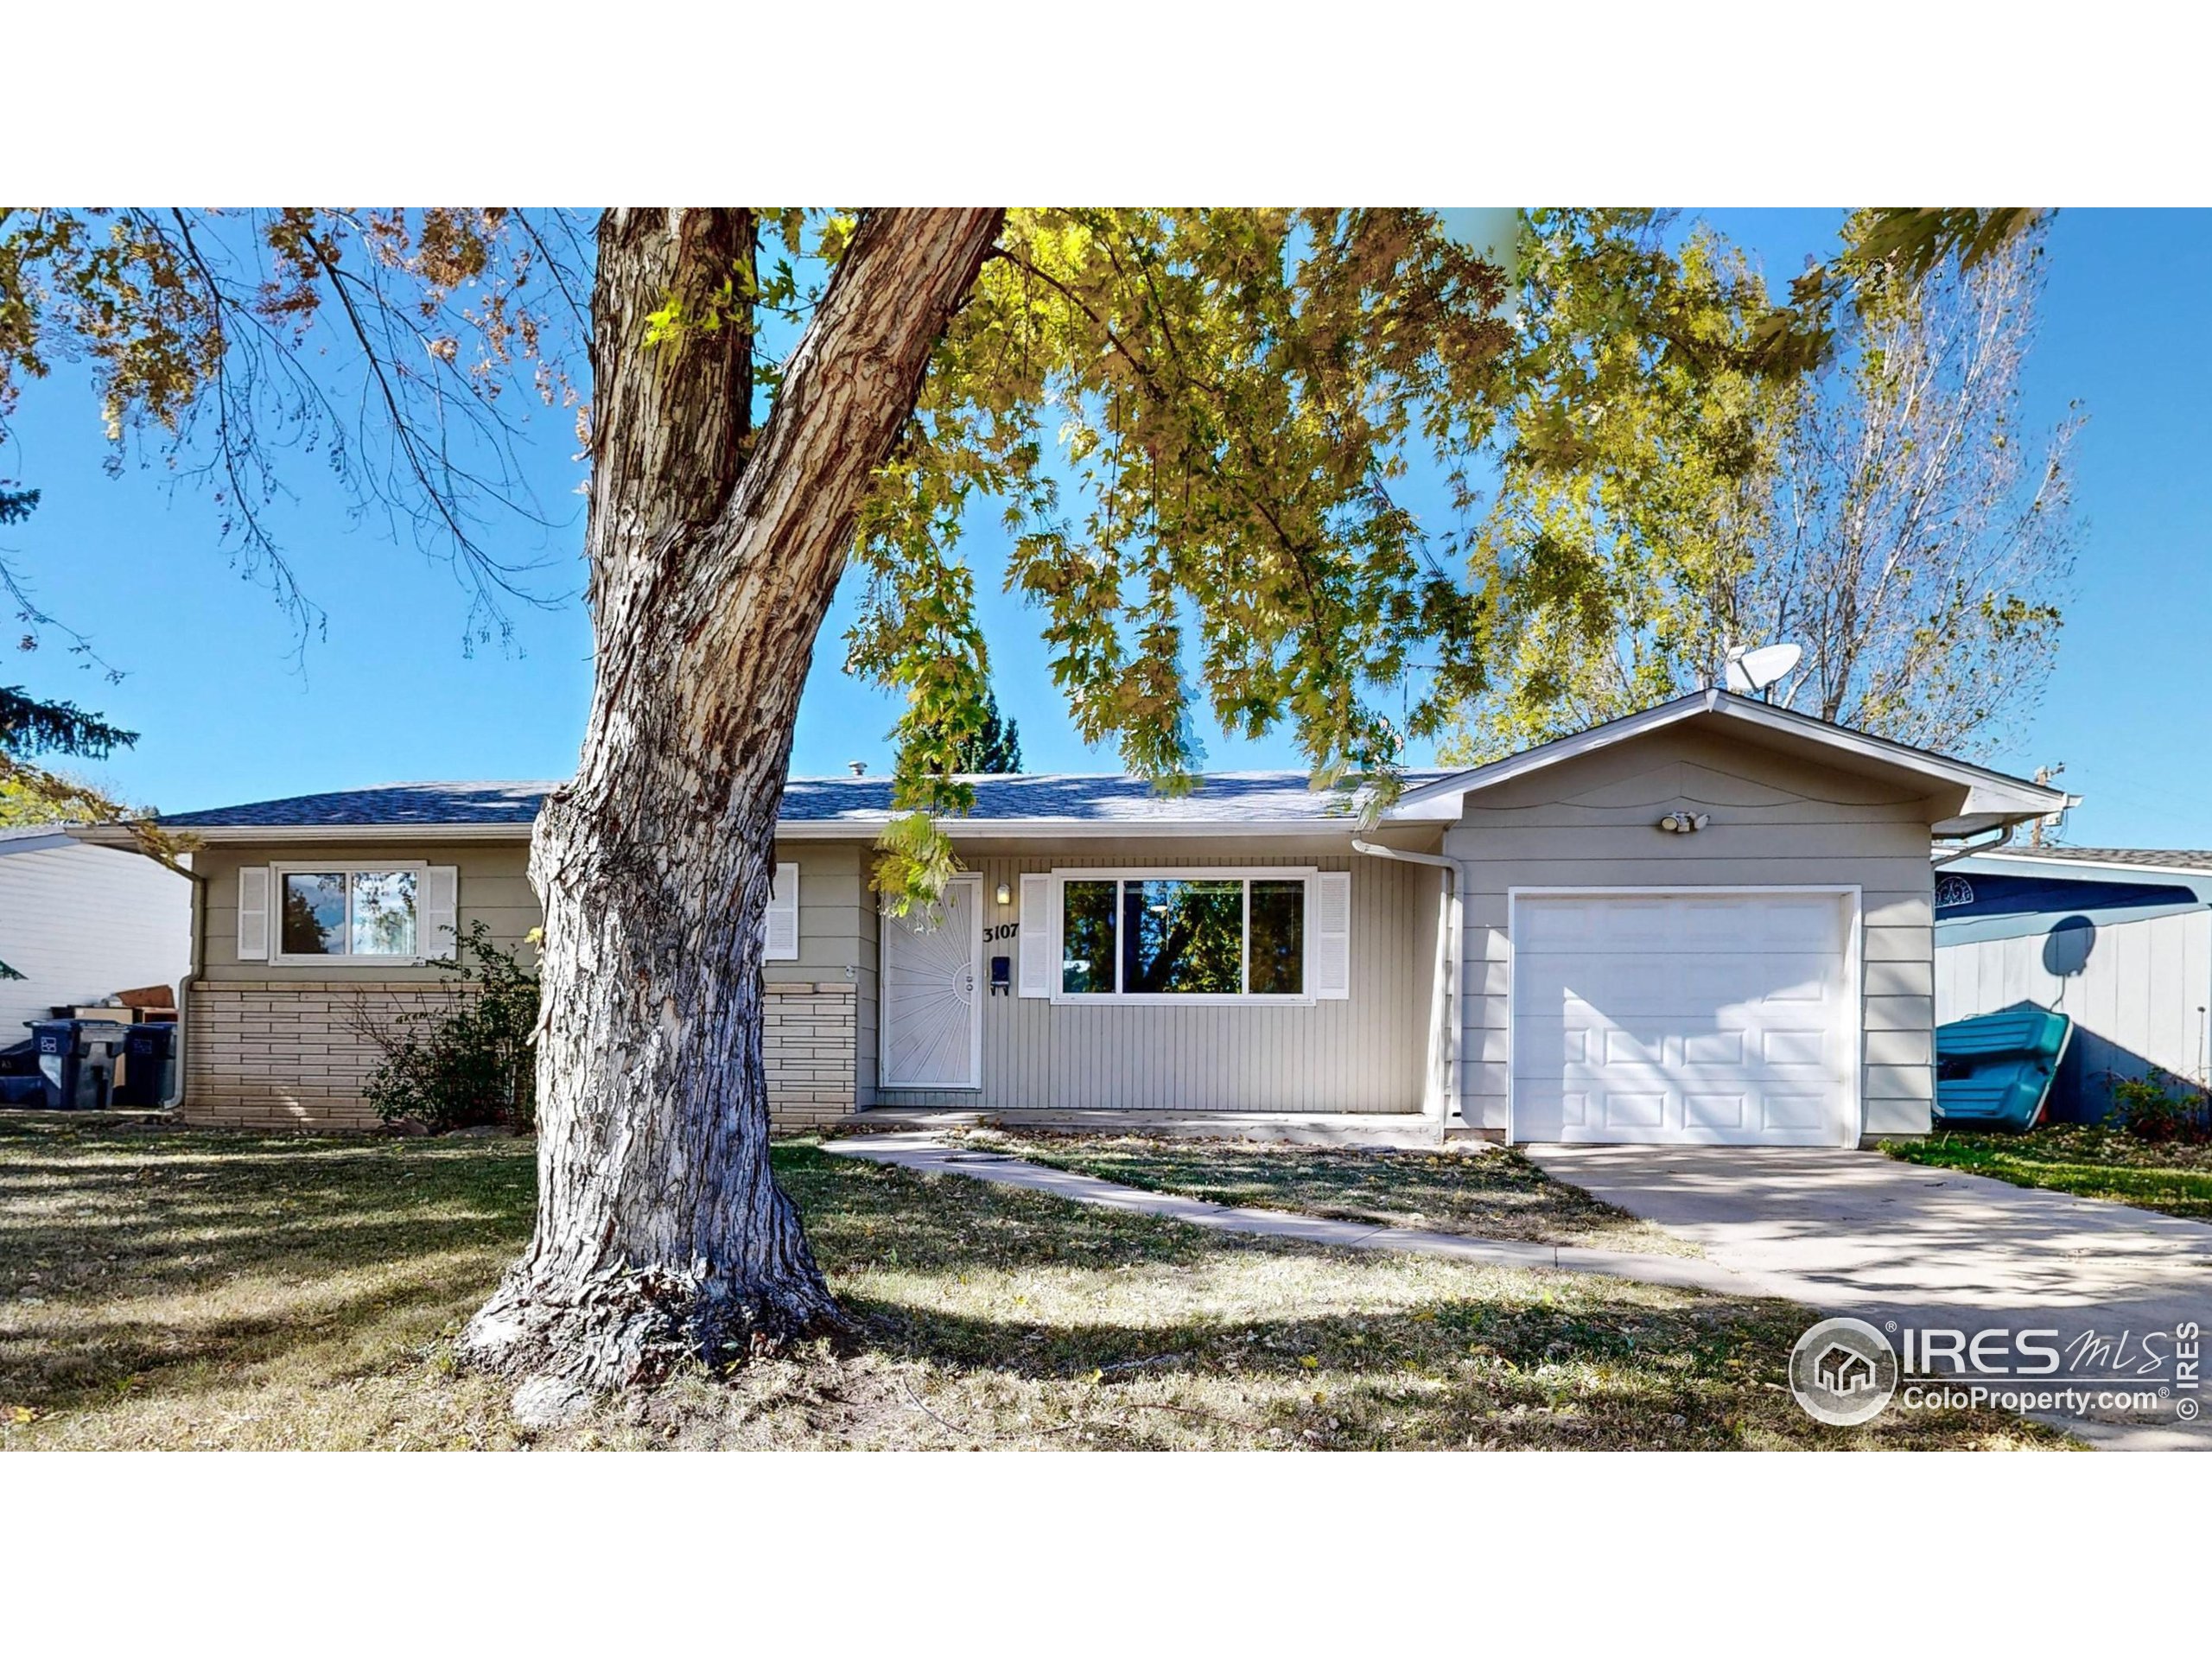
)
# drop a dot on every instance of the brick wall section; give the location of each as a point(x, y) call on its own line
point(286, 1055)
point(810, 1036)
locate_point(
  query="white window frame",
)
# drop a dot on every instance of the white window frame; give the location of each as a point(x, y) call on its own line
point(1119, 998)
point(349, 868)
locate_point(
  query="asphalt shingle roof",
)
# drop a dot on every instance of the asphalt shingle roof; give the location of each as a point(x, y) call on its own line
point(399, 804)
point(864, 803)
point(2143, 857)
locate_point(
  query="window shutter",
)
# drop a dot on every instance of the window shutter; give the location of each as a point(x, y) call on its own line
point(1037, 936)
point(253, 914)
point(437, 912)
point(1331, 933)
point(781, 925)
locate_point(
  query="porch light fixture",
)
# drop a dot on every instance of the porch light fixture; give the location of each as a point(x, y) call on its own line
point(1005, 894)
point(1685, 823)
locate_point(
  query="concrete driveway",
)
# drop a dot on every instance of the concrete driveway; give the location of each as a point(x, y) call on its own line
point(1859, 1233)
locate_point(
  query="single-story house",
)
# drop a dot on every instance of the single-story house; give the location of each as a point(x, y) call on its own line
point(79, 922)
point(1709, 922)
point(2120, 938)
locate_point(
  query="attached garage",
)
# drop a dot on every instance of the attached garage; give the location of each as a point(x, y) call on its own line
point(1692, 1017)
point(1711, 922)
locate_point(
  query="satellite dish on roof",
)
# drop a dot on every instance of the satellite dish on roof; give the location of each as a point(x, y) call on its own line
point(1750, 672)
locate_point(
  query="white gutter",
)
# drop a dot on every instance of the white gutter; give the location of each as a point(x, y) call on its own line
point(787, 829)
point(2004, 835)
point(1454, 1015)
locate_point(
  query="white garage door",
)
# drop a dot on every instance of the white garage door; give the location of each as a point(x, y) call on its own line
point(1716, 1018)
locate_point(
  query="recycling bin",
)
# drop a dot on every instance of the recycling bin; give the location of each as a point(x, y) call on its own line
point(150, 1069)
point(77, 1059)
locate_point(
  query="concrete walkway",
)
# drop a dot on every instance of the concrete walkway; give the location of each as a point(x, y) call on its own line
point(1844, 1232)
point(927, 1152)
point(1860, 1233)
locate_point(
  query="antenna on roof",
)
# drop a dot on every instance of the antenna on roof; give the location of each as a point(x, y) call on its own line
point(2050, 820)
point(1750, 673)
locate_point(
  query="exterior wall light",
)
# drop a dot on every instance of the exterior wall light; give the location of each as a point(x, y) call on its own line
point(1005, 894)
point(1685, 823)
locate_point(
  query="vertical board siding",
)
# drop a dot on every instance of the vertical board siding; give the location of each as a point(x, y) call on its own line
point(1775, 821)
point(2141, 1000)
point(1366, 1053)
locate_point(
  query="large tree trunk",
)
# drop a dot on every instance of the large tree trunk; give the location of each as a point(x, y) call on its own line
point(661, 1234)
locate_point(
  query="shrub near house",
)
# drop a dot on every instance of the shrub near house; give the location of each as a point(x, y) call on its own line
point(464, 1063)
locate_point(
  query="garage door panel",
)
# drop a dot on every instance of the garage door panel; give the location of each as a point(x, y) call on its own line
point(1626, 1108)
point(1783, 1046)
point(1713, 1047)
point(1703, 1110)
point(1714, 1018)
point(1803, 1110)
point(1626, 1046)
point(1549, 1102)
point(1546, 1048)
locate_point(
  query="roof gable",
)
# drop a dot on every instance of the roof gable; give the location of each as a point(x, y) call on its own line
point(1983, 799)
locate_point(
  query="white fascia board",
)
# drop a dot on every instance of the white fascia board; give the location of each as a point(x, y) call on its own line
point(112, 834)
point(1078, 828)
point(803, 829)
point(2063, 867)
point(1546, 754)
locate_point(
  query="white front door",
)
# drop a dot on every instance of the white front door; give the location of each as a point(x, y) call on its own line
point(1727, 1017)
point(932, 1018)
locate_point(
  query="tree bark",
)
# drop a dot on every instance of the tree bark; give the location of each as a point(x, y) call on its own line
point(661, 1234)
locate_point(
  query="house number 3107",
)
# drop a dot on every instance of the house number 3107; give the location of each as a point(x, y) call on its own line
point(1003, 931)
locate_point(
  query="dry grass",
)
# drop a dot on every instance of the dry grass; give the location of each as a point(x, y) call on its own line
point(180, 1290)
point(1474, 1188)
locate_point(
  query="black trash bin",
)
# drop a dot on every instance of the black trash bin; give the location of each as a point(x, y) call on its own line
point(150, 1049)
point(77, 1059)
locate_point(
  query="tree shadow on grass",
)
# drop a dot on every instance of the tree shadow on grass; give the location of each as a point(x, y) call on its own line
point(185, 1260)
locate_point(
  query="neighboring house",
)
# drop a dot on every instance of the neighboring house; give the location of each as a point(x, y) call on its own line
point(1708, 922)
point(2120, 938)
point(80, 923)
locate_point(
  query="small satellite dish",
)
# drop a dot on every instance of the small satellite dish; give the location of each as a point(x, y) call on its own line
point(1751, 671)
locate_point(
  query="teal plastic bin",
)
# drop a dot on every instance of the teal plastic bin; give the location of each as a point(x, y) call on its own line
point(1995, 1071)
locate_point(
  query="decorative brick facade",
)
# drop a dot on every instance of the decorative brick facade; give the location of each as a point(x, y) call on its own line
point(287, 1054)
point(810, 1036)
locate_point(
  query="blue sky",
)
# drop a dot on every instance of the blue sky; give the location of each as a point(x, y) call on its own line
point(229, 709)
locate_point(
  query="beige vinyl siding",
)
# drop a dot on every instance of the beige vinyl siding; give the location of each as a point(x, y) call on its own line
point(1366, 1053)
point(1776, 821)
point(494, 889)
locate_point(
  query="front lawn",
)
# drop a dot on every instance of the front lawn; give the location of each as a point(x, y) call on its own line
point(166, 1289)
point(1478, 1190)
point(2092, 1162)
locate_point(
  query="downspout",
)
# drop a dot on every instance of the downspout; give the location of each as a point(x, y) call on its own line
point(200, 885)
point(1454, 1014)
point(2003, 836)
